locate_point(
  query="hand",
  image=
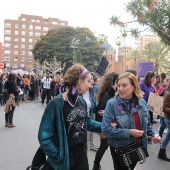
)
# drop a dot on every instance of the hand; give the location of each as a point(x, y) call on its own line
point(156, 139)
point(136, 133)
point(100, 112)
point(113, 124)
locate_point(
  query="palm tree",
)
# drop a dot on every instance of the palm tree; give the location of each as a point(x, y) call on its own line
point(159, 54)
point(135, 56)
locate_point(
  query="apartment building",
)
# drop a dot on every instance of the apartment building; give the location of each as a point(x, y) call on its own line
point(21, 35)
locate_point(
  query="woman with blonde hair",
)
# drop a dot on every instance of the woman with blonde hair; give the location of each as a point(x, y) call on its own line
point(130, 112)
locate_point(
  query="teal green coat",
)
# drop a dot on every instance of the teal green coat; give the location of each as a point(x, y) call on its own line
point(52, 133)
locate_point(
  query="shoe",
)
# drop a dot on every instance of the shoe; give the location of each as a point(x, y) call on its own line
point(93, 147)
point(6, 124)
point(11, 125)
point(154, 121)
point(162, 155)
point(96, 166)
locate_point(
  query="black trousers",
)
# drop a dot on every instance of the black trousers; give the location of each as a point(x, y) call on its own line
point(99, 154)
point(9, 115)
point(116, 162)
point(46, 92)
point(78, 158)
point(151, 116)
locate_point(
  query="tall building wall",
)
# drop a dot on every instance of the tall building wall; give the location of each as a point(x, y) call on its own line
point(21, 35)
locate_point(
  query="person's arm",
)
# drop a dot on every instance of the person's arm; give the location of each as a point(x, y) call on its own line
point(166, 104)
point(46, 132)
point(93, 125)
point(107, 129)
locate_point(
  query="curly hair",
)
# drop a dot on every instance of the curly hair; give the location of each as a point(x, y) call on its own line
point(72, 75)
point(107, 82)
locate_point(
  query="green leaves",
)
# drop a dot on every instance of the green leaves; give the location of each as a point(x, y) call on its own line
point(63, 42)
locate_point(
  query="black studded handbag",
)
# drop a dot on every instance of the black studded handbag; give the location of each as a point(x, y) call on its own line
point(131, 154)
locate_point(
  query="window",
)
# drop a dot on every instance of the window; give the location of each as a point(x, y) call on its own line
point(7, 38)
point(44, 33)
point(55, 23)
point(31, 27)
point(16, 59)
point(23, 33)
point(22, 46)
point(22, 39)
point(16, 46)
point(23, 26)
point(37, 27)
point(6, 51)
point(15, 66)
point(16, 25)
point(37, 34)
point(15, 39)
point(30, 40)
point(15, 52)
point(7, 25)
point(45, 28)
point(6, 59)
point(37, 20)
point(33, 20)
point(62, 23)
point(7, 31)
point(29, 59)
point(30, 47)
point(16, 33)
point(30, 33)
point(22, 52)
point(22, 65)
point(7, 45)
point(23, 19)
point(22, 59)
point(30, 53)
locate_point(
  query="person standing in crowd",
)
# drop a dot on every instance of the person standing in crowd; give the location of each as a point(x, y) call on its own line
point(147, 86)
point(96, 85)
point(130, 113)
point(164, 85)
point(46, 83)
point(53, 83)
point(59, 89)
point(2, 82)
point(162, 93)
point(20, 83)
point(27, 88)
point(162, 78)
point(12, 89)
point(33, 87)
point(90, 99)
point(107, 90)
point(38, 86)
point(165, 141)
point(65, 123)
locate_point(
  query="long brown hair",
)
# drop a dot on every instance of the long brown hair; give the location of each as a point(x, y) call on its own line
point(107, 82)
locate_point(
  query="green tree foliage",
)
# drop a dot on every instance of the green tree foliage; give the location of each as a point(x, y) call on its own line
point(78, 57)
point(61, 43)
point(159, 54)
point(154, 14)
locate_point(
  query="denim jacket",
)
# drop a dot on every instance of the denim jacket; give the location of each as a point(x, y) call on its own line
point(118, 111)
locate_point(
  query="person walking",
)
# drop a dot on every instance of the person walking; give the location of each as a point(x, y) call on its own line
point(129, 111)
point(107, 90)
point(11, 103)
point(63, 128)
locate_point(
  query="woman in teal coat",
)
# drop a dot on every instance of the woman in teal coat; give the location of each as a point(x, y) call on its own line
point(63, 129)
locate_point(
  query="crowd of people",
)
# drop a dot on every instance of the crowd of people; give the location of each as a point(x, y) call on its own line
point(80, 103)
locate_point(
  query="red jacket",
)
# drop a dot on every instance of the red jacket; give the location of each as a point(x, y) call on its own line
point(160, 89)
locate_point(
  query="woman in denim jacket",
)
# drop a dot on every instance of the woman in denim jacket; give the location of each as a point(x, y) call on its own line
point(130, 112)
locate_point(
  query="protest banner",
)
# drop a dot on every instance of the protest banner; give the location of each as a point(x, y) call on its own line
point(102, 66)
point(155, 103)
point(144, 68)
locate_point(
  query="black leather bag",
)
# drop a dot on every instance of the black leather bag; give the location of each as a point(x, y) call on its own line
point(38, 161)
point(131, 154)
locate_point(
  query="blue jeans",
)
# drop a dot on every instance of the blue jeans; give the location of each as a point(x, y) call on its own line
point(166, 139)
point(162, 126)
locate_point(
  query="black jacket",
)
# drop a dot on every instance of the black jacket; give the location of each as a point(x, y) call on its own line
point(102, 102)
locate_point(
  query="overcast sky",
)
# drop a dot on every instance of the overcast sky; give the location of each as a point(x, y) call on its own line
point(84, 13)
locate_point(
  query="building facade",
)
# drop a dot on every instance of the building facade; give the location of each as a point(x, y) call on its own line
point(21, 35)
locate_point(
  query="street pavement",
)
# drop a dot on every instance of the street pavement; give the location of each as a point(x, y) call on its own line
point(18, 145)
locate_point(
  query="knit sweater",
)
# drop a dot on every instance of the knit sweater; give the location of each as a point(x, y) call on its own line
point(52, 133)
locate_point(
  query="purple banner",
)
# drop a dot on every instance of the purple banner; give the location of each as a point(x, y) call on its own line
point(145, 67)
